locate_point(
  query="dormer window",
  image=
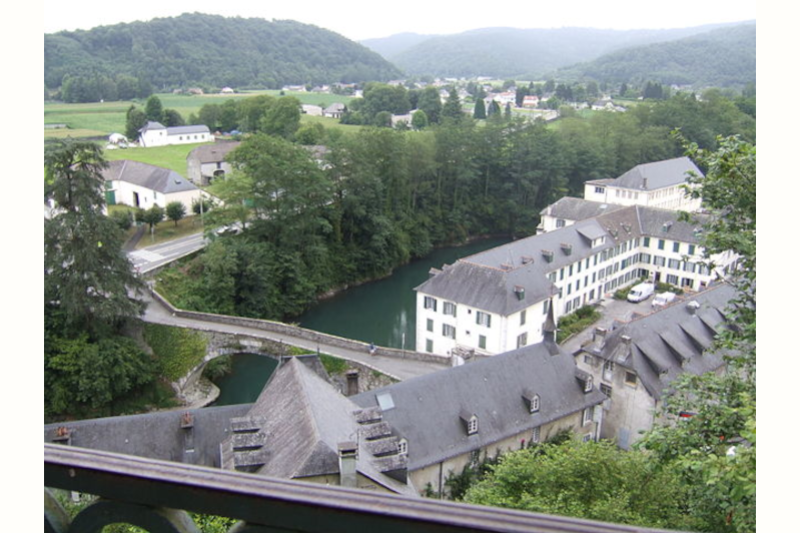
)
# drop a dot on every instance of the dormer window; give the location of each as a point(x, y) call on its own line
point(587, 385)
point(402, 447)
point(470, 421)
point(532, 400)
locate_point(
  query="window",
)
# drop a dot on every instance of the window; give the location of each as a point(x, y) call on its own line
point(644, 258)
point(483, 319)
point(402, 447)
point(691, 249)
point(482, 342)
point(448, 331)
point(676, 247)
point(522, 340)
point(599, 190)
point(661, 244)
point(605, 389)
point(560, 223)
point(545, 306)
point(449, 308)
point(429, 345)
point(430, 325)
point(587, 386)
point(472, 425)
point(647, 242)
point(672, 279)
point(536, 434)
point(659, 261)
point(588, 415)
point(523, 316)
point(630, 378)
point(430, 303)
point(675, 263)
point(535, 403)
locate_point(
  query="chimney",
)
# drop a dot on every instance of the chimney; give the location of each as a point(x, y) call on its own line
point(348, 453)
point(599, 333)
point(626, 340)
point(693, 306)
point(352, 382)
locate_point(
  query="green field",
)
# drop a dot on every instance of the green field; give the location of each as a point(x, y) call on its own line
point(102, 119)
point(172, 156)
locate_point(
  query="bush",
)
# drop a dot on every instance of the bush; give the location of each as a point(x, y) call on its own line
point(122, 219)
point(178, 350)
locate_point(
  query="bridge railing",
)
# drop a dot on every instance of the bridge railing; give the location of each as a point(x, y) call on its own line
point(156, 496)
point(289, 330)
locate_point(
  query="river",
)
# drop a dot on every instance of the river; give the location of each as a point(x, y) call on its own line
point(382, 312)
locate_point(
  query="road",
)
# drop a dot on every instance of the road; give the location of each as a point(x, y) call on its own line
point(152, 257)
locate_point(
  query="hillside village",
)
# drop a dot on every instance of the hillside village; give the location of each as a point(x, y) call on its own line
point(517, 386)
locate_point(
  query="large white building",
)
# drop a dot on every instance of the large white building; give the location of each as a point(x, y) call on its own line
point(156, 134)
point(497, 300)
point(659, 184)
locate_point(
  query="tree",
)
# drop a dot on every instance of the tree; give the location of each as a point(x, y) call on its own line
point(282, 119)
point(592, 480)
point(173, 118)
point(431, 103)
point(480, 109)
point(153, 109)
point(452, 106)
point(419, 120)
point(87, 275)
point(135, 119)
point(175, 211)
point(715, 448)
point(151, 216)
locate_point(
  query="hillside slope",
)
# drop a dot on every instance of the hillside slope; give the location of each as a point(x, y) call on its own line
point(720, 58)
point(523, 53)
point(197, 48)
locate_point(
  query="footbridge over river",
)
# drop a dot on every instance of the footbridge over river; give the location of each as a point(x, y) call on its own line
point(256, 334)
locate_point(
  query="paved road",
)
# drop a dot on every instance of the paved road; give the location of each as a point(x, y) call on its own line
point(397, 368)
point(151, 257)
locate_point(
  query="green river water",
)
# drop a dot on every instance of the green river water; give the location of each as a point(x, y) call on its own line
point(382, 312)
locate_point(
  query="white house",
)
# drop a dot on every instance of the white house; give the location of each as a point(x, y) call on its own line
point(498, 300)
point(141, 185)
point(659, 184)
point(208, 162)
point(156, 134)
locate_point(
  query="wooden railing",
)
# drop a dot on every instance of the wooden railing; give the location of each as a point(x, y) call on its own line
point(156, 496)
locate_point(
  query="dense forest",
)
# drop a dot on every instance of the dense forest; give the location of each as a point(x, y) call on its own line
point(213, 50)
point(528, 53)
point(384, 196)
point(721, 58)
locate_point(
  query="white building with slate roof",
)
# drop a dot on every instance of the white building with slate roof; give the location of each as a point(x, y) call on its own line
point(156, 134)
point(497, 300)
point(659, 184)
point(141, 185)
point(635, 362)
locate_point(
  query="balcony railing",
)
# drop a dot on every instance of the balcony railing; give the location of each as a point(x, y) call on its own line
point(156, 496)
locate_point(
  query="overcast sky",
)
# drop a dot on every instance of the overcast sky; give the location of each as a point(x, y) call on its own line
point(364, 19)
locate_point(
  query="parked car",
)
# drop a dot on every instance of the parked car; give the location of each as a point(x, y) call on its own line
point(663, 299)
point(641, 292)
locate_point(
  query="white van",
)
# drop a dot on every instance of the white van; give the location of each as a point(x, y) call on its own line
point(641, 292)
point(663, 299)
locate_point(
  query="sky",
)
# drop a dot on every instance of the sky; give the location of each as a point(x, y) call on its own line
point(364, 19)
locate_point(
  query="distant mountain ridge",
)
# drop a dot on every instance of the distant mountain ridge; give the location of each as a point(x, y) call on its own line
point(721, 58)
point(196, 48)
point(519, 53)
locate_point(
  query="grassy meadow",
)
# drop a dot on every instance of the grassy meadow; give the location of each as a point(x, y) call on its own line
point(103, 118)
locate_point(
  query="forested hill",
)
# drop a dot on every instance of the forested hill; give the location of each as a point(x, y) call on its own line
point(523, 53)
point(720, 58)
point(214, 50)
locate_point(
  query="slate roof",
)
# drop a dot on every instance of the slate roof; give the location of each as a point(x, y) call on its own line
point(213, 153)
point(184, 130)
point(570, 208)
point(428, 410)
point(672, 341)
point(156, 435)
point(303, 420)
point(151, 177)
point(657, 175)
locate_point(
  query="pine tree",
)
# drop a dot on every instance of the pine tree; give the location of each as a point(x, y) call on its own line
point(480, 109)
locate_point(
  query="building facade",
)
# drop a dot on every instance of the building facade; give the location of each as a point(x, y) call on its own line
point(497, 300)
point(156, 134)
point(634, 364)
point(141, 185)
point(660, 184)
